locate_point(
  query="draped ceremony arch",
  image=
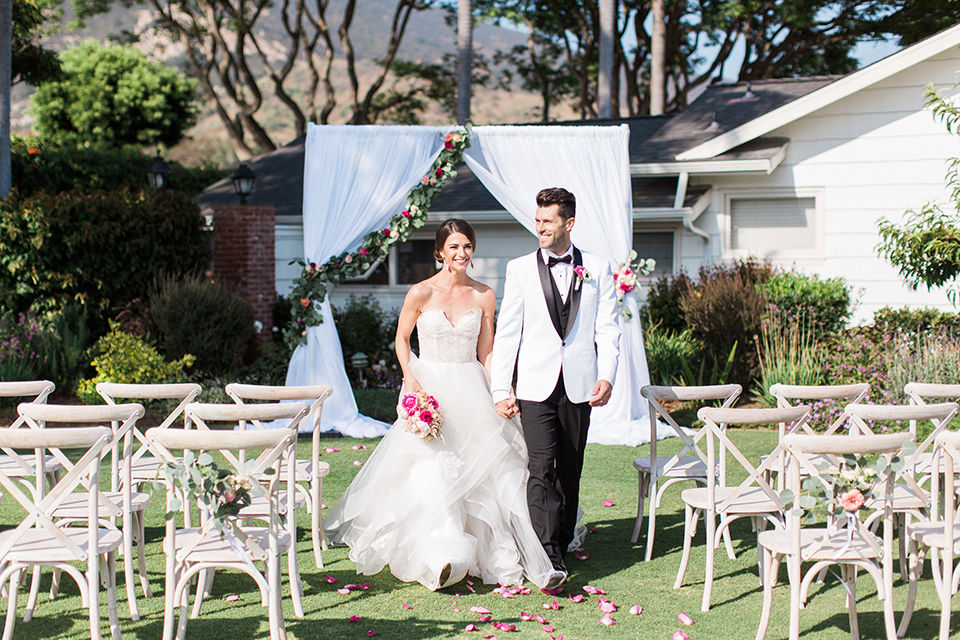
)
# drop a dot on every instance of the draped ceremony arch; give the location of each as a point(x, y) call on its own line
point(356, 178)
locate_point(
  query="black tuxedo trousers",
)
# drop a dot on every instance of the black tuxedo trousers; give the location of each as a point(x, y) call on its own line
point(555, 431)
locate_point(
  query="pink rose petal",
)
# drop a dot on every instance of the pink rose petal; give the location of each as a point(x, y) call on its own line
point(485, 618)
point(471, 627)
point(371, 633)
point(406, 606)
point(479, 609)
point(608, 620)
point(594, 530)
point(330, 579)
point(470, 582)
point(232, 598)
point(636, 610)
point(525, 616)
point(354, 618)
point(608, 607)
point(359, 447)
point(357, 463)
point(508, 627)
point(457, 595)
point(576, 598)
point(323, 506)
point(365, 586)
point(680, 635)
point(684, 619)
point(343, 592)
point(351, 587)
point(594, 591)
point(607, 503)
point(541, 620)
point(471, 589)
point(581, 556)
point(548, 628)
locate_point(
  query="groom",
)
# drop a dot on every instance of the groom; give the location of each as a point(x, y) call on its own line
point(558, 329)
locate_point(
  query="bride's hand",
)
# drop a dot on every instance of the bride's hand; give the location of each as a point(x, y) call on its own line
point(411, 385)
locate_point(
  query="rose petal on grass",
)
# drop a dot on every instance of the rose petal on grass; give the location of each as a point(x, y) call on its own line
point(608, 620)
point(525, 616)
point(479, 609)
point(594, 591)
point(684, 619)
point(371, 633)
point(471, 627)
point(576, 598)
point(354, 618)
point(548, 628)
point(323, 506)
point(470, 582)
point(680, 635)
point(607, 503)
point(357, 463)
point(551, 605)
point(594, 530)
point(457, 595)
point(485, 618)
point(541, 620)
point(232, 598)
point(471, 589)
point(330, 579)
point(581, 556)
point(343, 592)
point(351, 587)
point(608, 607)
point(636, 610)
point(406, 606)
point(359, 447)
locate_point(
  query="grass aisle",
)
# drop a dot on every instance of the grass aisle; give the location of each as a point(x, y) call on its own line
point(395, 610)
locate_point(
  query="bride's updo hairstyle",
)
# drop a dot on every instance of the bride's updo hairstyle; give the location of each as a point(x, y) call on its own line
point(451, 226)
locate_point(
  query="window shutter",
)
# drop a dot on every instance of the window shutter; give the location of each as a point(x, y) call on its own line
point(772, 225)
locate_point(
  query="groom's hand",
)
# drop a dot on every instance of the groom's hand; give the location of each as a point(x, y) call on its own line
point(601, 393)
point(508, 408)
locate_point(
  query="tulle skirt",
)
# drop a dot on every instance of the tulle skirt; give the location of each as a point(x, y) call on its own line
point(417, 505)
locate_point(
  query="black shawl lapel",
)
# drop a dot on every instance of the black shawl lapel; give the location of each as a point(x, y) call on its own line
point(577, 290)
point(549, 292)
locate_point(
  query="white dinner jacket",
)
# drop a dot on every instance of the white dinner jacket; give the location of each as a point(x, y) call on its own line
point(527, 339)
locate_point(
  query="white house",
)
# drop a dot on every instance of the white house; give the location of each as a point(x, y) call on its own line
point(795, 171)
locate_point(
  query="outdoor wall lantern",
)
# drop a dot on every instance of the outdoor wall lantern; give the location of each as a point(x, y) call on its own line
point(157, 172)
point(243, 179)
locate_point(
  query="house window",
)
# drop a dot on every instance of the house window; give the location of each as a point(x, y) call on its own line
point(772, 226)
point(657, 245)
point(379, 276)
point(415, 261)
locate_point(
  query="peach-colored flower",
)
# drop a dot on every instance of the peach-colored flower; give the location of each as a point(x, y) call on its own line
point(305, 302)
point(851, 500)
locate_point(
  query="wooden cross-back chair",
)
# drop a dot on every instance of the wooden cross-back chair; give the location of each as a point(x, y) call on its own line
point(690, 463)
point(292, 413)
point(24, 465)
point(919, 393)
point(195, 551)
point(310, 471)
point(125, 505)
point(753, 498)
point(850, 545)
point(39, 540)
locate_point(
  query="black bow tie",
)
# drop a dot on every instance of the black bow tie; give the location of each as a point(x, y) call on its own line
point(567, 259)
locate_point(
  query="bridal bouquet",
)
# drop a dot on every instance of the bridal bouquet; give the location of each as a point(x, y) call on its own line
point(420, 415)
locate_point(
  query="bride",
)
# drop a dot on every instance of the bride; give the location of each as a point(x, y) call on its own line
point(435, 511)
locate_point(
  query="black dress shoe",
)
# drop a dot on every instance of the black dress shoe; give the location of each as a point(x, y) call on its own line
point(555, 580)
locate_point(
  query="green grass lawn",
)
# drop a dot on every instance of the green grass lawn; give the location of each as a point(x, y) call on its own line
point(614, 565)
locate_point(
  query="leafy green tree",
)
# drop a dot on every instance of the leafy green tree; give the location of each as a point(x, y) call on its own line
point(925, 249)
point(114, 96)
point(30, 62)
point(418, 83)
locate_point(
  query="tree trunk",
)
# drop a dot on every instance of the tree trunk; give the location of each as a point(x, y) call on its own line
point(6, 37)
point(608, 19)
point(464, 59)
point(658, 58)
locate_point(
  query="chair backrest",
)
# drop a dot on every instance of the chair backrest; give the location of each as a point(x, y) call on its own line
point(314, 394)
point(810, 394)
point(657, 395)
point(947, 449)
point(713, 417)
point(841, 451)
point(272, 445)
point(36, 389)
point(122, 418)
point(185, 392)
point(40, 505)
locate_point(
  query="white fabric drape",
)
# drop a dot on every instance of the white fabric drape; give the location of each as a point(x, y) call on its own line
point(592, 162)
point(355, 179)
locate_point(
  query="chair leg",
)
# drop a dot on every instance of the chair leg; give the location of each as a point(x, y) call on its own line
point(689, 530)
point(55, 583)
point(128, 567)
point(34, 592)
point(916, 568)
point(141, 556)
point(293, 574)
point(275, 612)
point(642, 480)
point(795, 573)
point(11, 606)
point(93, 594)
point(849, 574)
point(651, 518)
point(769, 565)
point(711, 526)
point(112, 597)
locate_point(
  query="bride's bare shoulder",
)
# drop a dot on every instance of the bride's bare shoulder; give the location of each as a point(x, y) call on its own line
point(419, 294)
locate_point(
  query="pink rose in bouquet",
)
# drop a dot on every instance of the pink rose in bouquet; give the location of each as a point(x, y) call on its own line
point(409, 402)
point(426, 416)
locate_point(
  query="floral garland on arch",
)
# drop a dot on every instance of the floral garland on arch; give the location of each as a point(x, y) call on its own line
point(310, 288)
point(625, 280)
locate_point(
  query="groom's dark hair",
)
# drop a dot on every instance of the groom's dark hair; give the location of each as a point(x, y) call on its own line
point(559, 196)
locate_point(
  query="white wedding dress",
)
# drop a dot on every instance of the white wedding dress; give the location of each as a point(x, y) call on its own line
point(417, 506)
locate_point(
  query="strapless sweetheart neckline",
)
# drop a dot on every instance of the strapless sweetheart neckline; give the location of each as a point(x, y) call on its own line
point(456, 324)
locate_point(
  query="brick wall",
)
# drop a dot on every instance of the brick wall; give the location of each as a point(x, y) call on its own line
point(243, 256)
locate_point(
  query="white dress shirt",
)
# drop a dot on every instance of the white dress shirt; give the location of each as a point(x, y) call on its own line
point(562, 272)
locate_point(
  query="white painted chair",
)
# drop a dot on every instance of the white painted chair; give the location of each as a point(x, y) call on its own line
point(690, 463)
point(191, 552)
point(919, 393)
point(124, 504)
point(260, 508)
point(753, 498)
point(941, 536)
point(23, 465)
point(310, 471)
point(40, 541)
point(850, 545)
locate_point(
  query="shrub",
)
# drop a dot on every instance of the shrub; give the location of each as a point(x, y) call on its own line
point(854, 356)
point(666, 354)
point(66, 340)
point(914, 322)
point(723, 310)
point(198, 316)
point(21, 346)
point(365, 328)
point(933, 357)
point(824, 304)
point(102, 249)
point(789, 354)
point(125, 358)
point(38, 164)
point(662, 307)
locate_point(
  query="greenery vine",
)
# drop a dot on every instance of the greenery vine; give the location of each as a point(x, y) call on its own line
point(310, 288)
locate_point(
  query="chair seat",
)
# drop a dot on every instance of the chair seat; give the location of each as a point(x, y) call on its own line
point(260, 508)
point(931, 535)
point(12, 468)
point(686, 467)
point(40, 545)
point(74, 506)
point(903, 499)
point(304, 472)
point(752, 500)
point(145, 468)
point(924, 463)
point(215, 549)
point(781, 541)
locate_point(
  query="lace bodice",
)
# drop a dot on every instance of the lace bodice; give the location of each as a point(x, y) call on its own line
point(441, 341)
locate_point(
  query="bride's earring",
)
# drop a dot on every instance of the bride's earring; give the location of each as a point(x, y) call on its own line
point(447, 265)
point(471, 264)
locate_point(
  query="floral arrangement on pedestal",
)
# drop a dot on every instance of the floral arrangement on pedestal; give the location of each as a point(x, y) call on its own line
point(221, 492)
point(625, 280)
point(311, 287)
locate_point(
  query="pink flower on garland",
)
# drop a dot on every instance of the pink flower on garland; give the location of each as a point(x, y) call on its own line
point(439, 172)
point(363, 251)
point(405, 213)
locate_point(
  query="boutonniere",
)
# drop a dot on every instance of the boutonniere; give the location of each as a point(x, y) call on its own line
point(582, 274)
